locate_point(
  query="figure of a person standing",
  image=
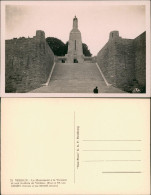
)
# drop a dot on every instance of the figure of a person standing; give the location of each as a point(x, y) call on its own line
point(95, 90)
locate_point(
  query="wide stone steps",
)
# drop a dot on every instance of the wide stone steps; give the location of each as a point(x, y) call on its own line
point(76, 71)
point(76, 78)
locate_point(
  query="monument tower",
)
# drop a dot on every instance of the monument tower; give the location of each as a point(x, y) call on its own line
point(75, 51)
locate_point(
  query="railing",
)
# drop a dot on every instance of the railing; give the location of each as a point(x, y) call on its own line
point(48, 80)
point(108, 84)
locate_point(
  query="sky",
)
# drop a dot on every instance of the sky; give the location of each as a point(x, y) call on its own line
point(95, 20)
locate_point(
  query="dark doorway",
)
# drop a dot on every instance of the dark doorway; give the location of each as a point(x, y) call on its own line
point(75, 61)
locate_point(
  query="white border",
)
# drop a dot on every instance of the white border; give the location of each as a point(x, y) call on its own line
point(148, 81)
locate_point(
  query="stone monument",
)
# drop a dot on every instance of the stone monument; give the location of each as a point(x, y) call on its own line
point(75, 50)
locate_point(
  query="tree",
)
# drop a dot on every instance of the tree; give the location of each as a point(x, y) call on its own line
point(60, 49)
point(56, 45)
point(86, 51)
point(66, 47)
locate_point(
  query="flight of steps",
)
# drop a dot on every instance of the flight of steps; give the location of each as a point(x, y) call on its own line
point(76, 78)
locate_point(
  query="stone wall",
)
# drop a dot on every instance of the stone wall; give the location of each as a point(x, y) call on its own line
point(140, 59)
point(105, 60)
point(28, 62)
point(123, 61)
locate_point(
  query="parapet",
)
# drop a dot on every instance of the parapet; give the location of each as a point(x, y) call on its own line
point(114, 35)
point(40, 34)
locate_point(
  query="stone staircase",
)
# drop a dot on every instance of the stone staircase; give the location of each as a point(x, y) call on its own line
point(76, 78)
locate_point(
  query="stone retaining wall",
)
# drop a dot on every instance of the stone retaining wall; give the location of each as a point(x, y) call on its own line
point(28, 63)
point(123, 62)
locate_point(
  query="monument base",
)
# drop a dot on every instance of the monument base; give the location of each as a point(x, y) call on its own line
point(74, 58)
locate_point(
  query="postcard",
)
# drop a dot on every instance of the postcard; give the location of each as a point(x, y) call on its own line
point(75, 146)
point(75, 49)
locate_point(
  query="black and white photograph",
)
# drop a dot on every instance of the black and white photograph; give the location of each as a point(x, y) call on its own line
point(69, 47)
point(82, 146)
point(75, 92)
